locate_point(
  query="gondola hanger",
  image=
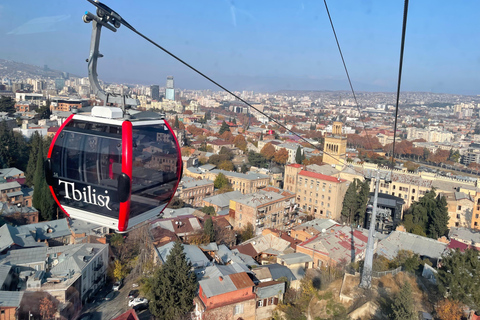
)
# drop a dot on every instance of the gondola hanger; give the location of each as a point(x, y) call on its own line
point(115, 167)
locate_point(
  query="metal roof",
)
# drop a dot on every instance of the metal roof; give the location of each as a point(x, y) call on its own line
point(192, 253)
point(11, 298)
point(223, 200)
point(215, 286)
point(277, 271)
point(294, 258)
point(270, 289)
point(422, 246)
point(4, 271)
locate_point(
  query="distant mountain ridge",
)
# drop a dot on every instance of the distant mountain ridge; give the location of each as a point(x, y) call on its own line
point(18, 70)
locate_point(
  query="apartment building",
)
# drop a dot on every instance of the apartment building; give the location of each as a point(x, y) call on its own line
point(193, 191)
point(244, 182)
point(476, 212)
point(460, 209)
point(268, 208)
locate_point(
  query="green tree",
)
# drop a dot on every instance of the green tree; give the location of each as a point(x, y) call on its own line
point(350, 205)
point(257, 160)
point(244, 168)
point(176, 124)
point(42, 197)
point(7, 104)
point(355, 201)
point(44, 111)
point(459, 277)
point(403, 307)
point(247, 232)
point(35, 144)
point(223, 128)
point(428, 215)
point(174, 286)
point(226, 165)
point(208, 229)
point(210, 210)
point(221, 181)
point(299, 157)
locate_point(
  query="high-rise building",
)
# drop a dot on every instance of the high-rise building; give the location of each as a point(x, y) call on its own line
point(170, 91)
point(155, 92)
point(59, 83)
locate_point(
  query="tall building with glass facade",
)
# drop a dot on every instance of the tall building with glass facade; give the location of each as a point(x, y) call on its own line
point(170, 91)
point(155, 92)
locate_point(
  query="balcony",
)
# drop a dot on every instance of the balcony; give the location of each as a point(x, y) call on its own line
point(98, 267)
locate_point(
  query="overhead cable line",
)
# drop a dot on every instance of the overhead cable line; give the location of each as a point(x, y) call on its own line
point(402, 47)
point(129, 26)
point(348, 75)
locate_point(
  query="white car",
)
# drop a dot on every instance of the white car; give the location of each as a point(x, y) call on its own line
point(137, 301)
point(117, 285)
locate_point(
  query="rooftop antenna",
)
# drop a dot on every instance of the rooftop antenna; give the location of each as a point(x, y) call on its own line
point(111, 20)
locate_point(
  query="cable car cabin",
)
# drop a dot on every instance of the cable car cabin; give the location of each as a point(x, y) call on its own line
point(113, 171)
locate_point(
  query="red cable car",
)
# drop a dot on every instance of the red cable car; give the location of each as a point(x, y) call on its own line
point(114, 167)
point(113, 171)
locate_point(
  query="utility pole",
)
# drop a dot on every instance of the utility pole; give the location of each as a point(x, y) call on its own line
point(366, 281)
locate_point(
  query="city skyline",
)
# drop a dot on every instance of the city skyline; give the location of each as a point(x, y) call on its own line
point(259, 48)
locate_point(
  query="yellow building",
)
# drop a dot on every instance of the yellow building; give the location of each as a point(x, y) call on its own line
point(476, 212)
point(335, 146)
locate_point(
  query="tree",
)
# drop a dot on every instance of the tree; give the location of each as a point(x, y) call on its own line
point(174, 286)
point(47, 308)
point(244, 168)
point(227, 152)
point(459, 277)
point(240, 142)
point(281, 156)
point(208, 229)
point(44, 111)
point(299, 157)
point(403, 307)
point(355, 201)
point(42, 198)
point(314, 160)
point(221, 181)
point(247, 232)
point(268, 151)
point(35, 144)
point(226, 165)
point(7, 105)
point(176, 124)
point(429, 215)
point(210, 210)
point(223, 128)
point(120, 270)
point(257, 160)
point(176, 203)
point(448, 309)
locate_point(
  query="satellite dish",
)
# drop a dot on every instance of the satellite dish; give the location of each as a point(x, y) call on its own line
point(55, 262)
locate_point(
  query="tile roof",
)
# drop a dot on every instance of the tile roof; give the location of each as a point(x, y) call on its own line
point(320, 176)
point(337, 242)
point(241, 280)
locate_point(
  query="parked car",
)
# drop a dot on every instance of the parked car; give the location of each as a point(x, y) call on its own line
point(117, 285)
point(132, 294)
point(110, 296)
point(137, 301)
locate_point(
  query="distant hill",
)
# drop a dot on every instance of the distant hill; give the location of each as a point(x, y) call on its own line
point(18, 70)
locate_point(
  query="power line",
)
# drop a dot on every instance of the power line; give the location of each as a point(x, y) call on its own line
point(402, 47)
point(129, 26)
point(346, 71)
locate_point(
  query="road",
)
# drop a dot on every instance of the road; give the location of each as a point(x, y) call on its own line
point(102, 309)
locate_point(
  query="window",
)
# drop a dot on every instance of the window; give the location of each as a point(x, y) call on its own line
point(240, 216)
point(238, 309)
point(476, 216)
point(260, 302)
point(393, 187)
point(413, 190)
point(458, 216)
point(459, 208)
